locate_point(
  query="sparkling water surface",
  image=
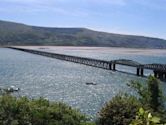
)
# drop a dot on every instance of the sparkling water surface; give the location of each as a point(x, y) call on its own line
point(57, 80)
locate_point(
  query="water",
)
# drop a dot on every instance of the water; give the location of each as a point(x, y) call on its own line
point(57, 80)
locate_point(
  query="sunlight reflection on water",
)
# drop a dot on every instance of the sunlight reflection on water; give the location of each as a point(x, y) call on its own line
point(58, 80)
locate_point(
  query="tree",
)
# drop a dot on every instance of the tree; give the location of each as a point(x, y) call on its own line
point(150, 95)
point(24, 111)
point(121, 110)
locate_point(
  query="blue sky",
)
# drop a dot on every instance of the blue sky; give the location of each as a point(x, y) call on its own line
point(137, 17)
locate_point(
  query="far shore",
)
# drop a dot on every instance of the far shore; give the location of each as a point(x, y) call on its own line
point(112, 50)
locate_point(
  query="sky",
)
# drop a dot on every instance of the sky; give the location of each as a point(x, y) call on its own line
point(135, 17)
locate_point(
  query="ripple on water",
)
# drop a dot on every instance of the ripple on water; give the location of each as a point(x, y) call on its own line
point(57, 80)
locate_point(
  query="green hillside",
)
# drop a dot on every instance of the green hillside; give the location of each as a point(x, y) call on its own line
point(20, 34)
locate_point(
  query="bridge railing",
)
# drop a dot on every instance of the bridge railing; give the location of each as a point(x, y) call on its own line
point(159, 69)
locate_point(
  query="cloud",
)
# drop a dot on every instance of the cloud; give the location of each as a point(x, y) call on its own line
point(114, 2)
point(35, 7)
point(61, 7)
point(117, 2)
point(78, 8)
point(28, 2)
point(20, 1)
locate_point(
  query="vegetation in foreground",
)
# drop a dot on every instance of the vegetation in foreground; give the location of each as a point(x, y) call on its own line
point(121, 110)
point(145, 109)
point(23, 111)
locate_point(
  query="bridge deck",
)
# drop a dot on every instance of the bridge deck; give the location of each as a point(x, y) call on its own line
point(110, 65)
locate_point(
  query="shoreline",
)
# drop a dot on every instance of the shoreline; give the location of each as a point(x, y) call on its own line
point(112, 50)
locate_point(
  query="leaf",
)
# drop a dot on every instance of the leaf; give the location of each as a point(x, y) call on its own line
point(149, 116)
point(155, 119)
point(141, 111)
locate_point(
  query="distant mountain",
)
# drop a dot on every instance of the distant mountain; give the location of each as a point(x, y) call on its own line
point(21, 34)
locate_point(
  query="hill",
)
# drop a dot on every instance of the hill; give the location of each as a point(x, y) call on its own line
point(21, 34)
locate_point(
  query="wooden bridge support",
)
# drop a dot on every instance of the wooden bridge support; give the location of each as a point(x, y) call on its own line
point(155, 74)
point(159, 74)
point(109, 65)
point(138, 70)
point(165, 75)
point(114, 66)
point(142, 72)
point(82, 60)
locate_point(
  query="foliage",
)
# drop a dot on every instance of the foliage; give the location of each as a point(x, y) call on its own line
point(145, 118)
point(24, 111)
point(149, 94)
point(121, 110)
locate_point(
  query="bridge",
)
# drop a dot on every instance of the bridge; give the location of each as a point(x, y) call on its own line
point(159, 70)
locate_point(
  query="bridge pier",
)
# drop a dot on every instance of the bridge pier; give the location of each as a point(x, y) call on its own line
point(159, 74)
point(142, 72)
point(165, 75)
point(110, 66)
point(155, 74)
point(114, 66)
point(159, 69)
point(138, 71)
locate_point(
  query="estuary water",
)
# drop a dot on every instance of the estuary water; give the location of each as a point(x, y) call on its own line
point(57, 80)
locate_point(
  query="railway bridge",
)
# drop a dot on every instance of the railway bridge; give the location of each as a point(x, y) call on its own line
point(159, 70)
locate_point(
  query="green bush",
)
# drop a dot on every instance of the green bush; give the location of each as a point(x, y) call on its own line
point(150, 93)
point(151, 96)
point(146, 118)
point(121, 110)
point(24, 111)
